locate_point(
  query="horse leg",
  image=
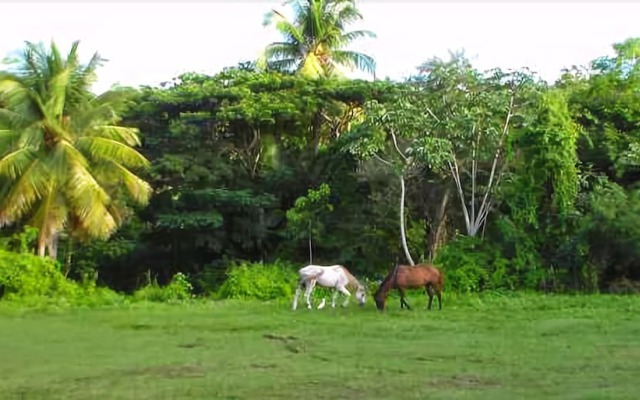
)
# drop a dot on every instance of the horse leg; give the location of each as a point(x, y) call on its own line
point(295, 298)
point(334, 297)
point(321, 305)
point(439, 294)
point(310, 286)
point(344, 291)
point(429, 288)
point(403, 300)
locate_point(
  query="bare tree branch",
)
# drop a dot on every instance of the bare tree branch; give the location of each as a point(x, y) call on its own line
point(484, 205)
point(456, 177)
point(377, 157)
point(395, 143)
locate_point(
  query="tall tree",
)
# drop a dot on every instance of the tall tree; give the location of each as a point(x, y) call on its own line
point(472, 115)
point(385, 135)
point(64, 163)
point(315, 41)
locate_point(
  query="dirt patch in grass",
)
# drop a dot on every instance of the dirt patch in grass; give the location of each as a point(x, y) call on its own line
point(199, 342)
point(463, 381)
point(170, 371)
point(291, 343)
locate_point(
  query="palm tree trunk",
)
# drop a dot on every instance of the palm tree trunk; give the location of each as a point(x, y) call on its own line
point(52, 247)
point(68, 256)
point(42, 247)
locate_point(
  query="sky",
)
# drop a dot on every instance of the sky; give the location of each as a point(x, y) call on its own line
point(149, 42)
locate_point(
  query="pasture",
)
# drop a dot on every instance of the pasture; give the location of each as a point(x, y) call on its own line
point(521, 346)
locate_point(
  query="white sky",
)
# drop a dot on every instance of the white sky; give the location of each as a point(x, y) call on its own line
point(150, 42)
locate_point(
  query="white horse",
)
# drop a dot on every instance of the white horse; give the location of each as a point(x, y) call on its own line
point(332, 276)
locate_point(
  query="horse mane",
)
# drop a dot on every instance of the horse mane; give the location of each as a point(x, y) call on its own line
point(388, 281)
point(352, 279)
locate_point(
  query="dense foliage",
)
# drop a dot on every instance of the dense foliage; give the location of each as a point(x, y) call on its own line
point(504, 181)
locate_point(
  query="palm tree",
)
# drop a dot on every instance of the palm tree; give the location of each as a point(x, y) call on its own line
point(64, 163)
point(315, 41)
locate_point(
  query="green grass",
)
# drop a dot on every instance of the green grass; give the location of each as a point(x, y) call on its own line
point(534, 347)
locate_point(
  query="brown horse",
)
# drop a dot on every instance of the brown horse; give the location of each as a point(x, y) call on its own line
point(411, 277)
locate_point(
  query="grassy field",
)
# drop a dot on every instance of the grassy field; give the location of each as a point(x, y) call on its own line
point(533, 347)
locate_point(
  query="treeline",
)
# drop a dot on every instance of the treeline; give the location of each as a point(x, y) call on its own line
point(504, 181)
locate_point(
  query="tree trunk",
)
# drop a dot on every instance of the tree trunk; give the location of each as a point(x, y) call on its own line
point(68, 256)
point(53, 246)
point(42, 247)
point(315, 132)
point(310, 246)
point(403, 235)
point(261, 238)
point(435, 238)
point(48, 245)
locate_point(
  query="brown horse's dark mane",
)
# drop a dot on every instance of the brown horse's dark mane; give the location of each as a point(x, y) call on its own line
point(386, 284)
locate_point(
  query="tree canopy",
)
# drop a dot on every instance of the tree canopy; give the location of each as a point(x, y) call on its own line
point(504, 180)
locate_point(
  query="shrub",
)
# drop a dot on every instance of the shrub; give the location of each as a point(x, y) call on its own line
point(179, 289)
point(36, 281)
point(473, 265)
point(25, 275)
point(259, 281)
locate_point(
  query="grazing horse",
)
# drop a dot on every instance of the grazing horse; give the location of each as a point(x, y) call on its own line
point(332, 276)
point(411, 277)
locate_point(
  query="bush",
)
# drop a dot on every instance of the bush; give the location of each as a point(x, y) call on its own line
point(33, 281)
point(179, 289)
point(473, 265)
point(259, 281)
point(26, 275)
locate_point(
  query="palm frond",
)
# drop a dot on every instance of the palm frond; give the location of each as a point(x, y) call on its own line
point(34, 183)
point(139, 190)
point(122, 134)
point(281, 50)
point(87, 199)
point(354, 59)
point(57, 87)
point(290, 32)
point(103, 149)
point(8, 139)
point(14, 164)
point(352, 36)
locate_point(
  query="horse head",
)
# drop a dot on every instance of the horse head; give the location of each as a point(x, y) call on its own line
point(380, 300)
point(380, 296)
